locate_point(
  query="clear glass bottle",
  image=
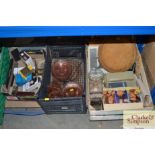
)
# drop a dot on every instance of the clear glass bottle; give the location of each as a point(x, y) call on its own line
point(96, 89)
point(95, 81)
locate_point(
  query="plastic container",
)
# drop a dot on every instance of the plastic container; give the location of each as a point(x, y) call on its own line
point(2, 107)
point(60, 103)
point(4, 65)
point(4, 68)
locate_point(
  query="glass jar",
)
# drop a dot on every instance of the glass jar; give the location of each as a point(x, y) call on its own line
point(95, 81)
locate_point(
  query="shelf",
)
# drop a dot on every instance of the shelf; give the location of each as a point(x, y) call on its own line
point(46, 31)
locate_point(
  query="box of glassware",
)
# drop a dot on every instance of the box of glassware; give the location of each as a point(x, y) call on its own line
point(116, 81)
point(24, 74)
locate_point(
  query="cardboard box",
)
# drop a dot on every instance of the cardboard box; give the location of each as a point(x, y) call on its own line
point(148, 56)
point(112, 112)
point(22, 104)
point(18, 96)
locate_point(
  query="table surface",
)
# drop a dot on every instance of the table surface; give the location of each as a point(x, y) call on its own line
point(55, 121)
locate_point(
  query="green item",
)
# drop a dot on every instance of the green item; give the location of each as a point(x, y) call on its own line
point(4, 69)
point(2, 107)
point(4, 65)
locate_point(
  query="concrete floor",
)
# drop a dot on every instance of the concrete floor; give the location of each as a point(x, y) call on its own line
point(57, 121)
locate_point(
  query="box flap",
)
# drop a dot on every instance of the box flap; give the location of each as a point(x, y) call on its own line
point(148, 56)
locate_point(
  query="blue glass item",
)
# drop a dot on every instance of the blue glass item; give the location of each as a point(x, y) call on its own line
point(126, 97)
point(116, 99)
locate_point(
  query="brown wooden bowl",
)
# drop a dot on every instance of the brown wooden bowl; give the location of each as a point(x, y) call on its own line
point(54, 90)
point(72, 89)
point(61, 70)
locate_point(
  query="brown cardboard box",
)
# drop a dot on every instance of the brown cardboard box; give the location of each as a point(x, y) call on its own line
point(113, 112)
point(148, 56)
point(15, 99)
point(22, 104)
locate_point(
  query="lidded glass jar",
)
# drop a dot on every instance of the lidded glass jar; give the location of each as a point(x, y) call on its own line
point(95, 81)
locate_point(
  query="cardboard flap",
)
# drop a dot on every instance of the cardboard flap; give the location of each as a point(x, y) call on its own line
point(148, 56)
